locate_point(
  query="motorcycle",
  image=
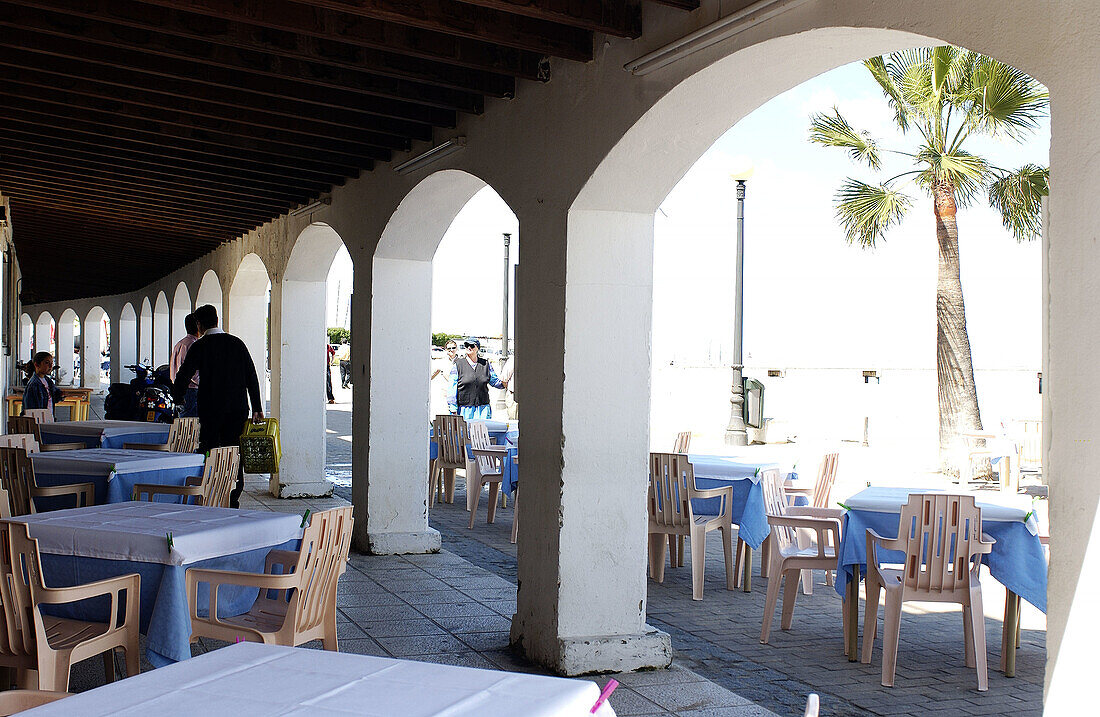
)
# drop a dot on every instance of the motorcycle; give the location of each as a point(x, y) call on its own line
point(148, 397)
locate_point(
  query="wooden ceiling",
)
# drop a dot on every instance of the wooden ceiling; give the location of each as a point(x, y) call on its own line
point(138, 135)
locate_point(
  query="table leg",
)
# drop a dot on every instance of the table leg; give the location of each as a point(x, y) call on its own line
point(746, 570)
point(851, 605)
point(1008, 633)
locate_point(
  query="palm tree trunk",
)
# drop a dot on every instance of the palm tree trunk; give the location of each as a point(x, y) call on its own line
point(958, 396)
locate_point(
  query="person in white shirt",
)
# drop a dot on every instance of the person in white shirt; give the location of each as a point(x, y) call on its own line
point(179, 353)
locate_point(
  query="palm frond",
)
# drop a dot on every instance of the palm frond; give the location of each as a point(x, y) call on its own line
point(1005, 101)
point(866, 211)
point(834, 131)
point(1018, 197)
point(877, 67)
point(965, 172)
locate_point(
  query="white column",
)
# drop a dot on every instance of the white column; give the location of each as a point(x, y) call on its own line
point(65, 349)
point(248, 322)
point(583, 320)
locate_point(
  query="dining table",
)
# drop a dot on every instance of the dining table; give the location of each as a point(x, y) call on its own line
point(1017, 559)
point(104, 434)
point(159, 542)
point(249, 679)
point(114, 471)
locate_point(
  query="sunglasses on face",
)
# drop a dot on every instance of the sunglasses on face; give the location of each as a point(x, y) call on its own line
point(452, 348)
point(469, 346)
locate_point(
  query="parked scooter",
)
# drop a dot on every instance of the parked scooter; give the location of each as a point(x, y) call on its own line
point(148, 397)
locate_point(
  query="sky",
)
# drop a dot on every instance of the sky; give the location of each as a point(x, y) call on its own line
point(811, 300)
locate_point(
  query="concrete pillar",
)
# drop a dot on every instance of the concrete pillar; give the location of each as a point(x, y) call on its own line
point(42, 333)
point(127, 342)
point(66, 339)
point(161, 344)
point(91, 357)
point(145, 333)
point(583, 320)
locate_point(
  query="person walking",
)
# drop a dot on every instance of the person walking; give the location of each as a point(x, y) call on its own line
point(228, 384)
point(41, 391)
point(329, 353)
point(471, 377)
point(440, 378)
point(179, 353)
point(343, 355)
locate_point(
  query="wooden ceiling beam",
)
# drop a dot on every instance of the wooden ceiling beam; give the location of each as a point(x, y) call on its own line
point(64, 72)
point(687, 5)
point(285, 43)
point(619, 18)
point(103, 42)
point(366, 32)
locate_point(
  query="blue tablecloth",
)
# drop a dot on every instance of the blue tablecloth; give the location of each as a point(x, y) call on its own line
point(113, 471)
point(511, 471)
point(747, 511)
point(1017, 560)
point(104, 434)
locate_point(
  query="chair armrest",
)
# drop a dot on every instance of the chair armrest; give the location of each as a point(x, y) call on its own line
point(130, 584)
point(812, 512)
point(146, 446)
point(822, 526)
point(47, 447)
point(798, 490)
point(286, 558)
point(724, 492)
point(217, 578)
point(155, 489)
point(85, 490)
point(490, 450)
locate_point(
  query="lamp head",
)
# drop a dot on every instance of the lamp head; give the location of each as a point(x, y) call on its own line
point(742, 168)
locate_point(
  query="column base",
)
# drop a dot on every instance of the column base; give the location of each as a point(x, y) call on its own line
point(426, 541)
point(605, 653)
point(303, 489)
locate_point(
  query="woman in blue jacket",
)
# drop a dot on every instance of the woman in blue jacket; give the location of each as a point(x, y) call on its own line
point(41, 391)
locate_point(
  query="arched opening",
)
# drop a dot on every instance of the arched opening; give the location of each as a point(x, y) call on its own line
point(249, 309)
point(401, 323)
point(145, 333)
point(97, 349)
point(298, 395)
point(210, 292)
point(181, 307)
point(161, 345)
point(26, 338)
point(45, 333)
point(68, 348)
point(127, 339)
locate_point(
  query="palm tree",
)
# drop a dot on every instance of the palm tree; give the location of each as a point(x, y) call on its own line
point(945, 95)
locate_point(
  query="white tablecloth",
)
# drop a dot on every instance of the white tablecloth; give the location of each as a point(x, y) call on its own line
point(995, 506)
point(107, 428)
point(249, 679)
point(107, 461)
point(729, 467)
point(137, 531)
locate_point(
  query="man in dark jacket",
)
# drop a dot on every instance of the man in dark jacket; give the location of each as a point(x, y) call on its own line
point(228, 384)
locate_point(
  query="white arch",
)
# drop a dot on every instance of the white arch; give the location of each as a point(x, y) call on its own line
point(68, 329)
point(127, 338)
point(145, 334)
point(181, 307)
point(298, 396)
point(160, 331)
point(210, 292)
point(26, 338)
point(97, 339)
point(249, 298)
point(44, 333)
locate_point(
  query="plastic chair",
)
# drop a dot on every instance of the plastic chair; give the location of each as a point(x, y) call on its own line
point(682, 443)
point(789, 556)
point(671, 490)
point(41, 415)
point(219, 475)
point(50, 645)
point(515, 506)
point(451, 435)
point(16, 701)
point(28, 425)
point(17, 478)
point(819, 497)
point(941, 535)
point(296, 604)
point(486, 467)
point(183, 437)
point(19, 440)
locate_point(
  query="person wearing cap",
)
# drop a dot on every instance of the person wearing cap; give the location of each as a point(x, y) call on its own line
point(471, 377)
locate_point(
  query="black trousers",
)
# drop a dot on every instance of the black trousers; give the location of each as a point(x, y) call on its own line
point(224, 430)
point(345, 374)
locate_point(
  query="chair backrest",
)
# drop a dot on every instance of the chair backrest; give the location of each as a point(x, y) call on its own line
point(826, 476)
point(682, 444)
point(322, 559)
point(479, 438)
point(19, 440)
point(183, 436)
point(219, 475)
point(939, 533)
point(670, 475)
point(22, 573)
point(451, 434)
point(42, 415)
point(17, 478)
point(775, 503)
point(25, 425)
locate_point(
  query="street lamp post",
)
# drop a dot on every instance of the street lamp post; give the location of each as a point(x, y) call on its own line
point(736, 433)
point(501, 403)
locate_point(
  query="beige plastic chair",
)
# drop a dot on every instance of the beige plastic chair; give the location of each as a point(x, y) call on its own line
point(789, 556)
point(682, 444)
point(486, 468)
point(19, 440)
point(951, 525)
point(28, 425)
point(183, 437)
point(219, 476)
point(51, 645)
point(819, 496)
point(671, 490)
point(41, 415)
point(515, 506)
point(451, 435)
point(17, 478)
point(296, 604)
point(16, 701)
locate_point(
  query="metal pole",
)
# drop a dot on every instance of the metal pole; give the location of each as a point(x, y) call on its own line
point(736, 433)
point(507, 274)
